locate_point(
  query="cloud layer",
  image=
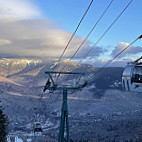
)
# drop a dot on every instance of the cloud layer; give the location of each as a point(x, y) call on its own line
point(39, 37)
point(18, 9)
point(24, 33)
point(24, 36)
point(132, 50)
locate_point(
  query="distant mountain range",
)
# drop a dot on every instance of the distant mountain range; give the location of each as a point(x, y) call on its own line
point(98, 104)
point(24, 71)
point(30, 73)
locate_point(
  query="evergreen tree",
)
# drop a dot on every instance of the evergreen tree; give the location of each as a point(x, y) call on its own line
point(3, 125)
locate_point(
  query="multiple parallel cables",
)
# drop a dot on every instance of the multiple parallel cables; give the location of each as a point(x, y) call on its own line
point(99, 38)
point(86, 11)
point(115, 57)
point(87, 36)
point(74, 32)
point(100, 69)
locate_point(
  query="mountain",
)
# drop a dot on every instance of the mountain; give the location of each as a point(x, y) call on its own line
point(32, 71)
point(28, 71)
point(27, 76)
point(6, 80)
point(102, 103)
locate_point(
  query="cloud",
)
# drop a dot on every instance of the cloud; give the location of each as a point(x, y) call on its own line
point(24, 36)
point(4, 42)
point(41, 38)
point(132, 50)
point(18, 9)
point(129, 55)
point(115, 63)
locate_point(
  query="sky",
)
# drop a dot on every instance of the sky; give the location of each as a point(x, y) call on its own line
point(42, 28)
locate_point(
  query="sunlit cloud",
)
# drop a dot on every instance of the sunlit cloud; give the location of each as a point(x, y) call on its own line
point(41, 38)
point(18, 9)
point(132, 50)
point(4, 42)
point(24, 34)
point(115, 63)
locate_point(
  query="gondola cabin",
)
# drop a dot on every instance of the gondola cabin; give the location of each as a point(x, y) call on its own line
point(37, 127)
point(132, 76)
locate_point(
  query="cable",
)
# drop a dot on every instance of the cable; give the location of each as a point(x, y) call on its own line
point(104, 33)
point(115, 57)
point(72, 37)
point(74, 32)
point(92, 29)
point(102, 37)
point(108, 28)
point(87, 36)
point(110, 61)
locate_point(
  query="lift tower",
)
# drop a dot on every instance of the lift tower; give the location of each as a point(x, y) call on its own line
point(51, 86)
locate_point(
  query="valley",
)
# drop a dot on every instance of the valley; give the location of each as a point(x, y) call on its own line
point(102, 111)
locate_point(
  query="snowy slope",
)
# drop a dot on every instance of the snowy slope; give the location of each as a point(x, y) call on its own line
point(101, 108)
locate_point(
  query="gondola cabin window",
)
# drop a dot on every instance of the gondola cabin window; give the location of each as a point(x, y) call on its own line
point(137, 74)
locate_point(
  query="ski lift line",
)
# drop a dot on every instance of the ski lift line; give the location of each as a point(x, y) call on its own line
point(116, 56)
point(92, 29)
point(103, 34)
point(89, 33)
point(140, 37)
point(108, 29)
point(100, 37)
point(75, 31)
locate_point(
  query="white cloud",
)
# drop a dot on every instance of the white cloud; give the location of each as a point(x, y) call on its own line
point(18, 9)
point(41, 38)
point(25, 36)
point(37, 37)
point(116, 63)
point(4, 42)
point(132, 50)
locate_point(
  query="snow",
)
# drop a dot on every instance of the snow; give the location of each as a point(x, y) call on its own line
point(54, 65)
point(16, 139)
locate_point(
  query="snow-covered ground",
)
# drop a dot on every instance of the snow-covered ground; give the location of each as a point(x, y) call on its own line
point(115, 112)
point(14, 139)
point(100, 112)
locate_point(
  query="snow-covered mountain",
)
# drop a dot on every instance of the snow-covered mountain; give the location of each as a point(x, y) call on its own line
point(32, 71)
point(98, 104)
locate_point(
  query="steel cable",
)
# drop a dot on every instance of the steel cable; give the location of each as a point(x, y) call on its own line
point(87, 36)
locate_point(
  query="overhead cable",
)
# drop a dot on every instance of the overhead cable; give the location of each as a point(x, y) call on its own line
point(102, 37)
point(140, 37)
point(73, 34)
point(104, 34)
point(87, 35)
point(75, 31)
point(115, 57)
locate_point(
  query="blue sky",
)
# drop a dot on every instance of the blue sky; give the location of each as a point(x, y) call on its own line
point(68, 14)
point(51, 23)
